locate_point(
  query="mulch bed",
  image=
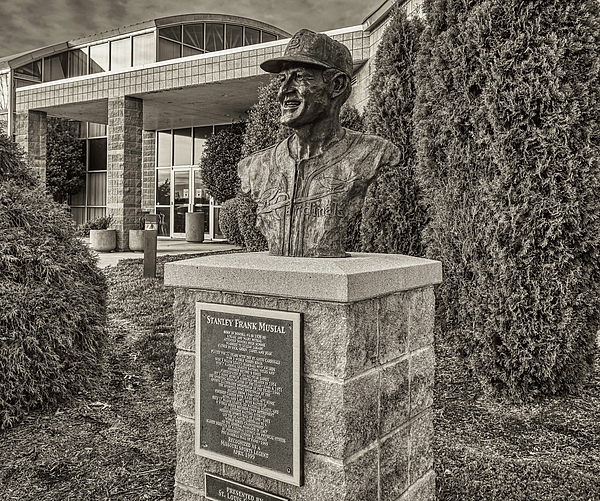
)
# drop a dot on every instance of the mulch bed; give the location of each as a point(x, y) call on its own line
point(117, 444)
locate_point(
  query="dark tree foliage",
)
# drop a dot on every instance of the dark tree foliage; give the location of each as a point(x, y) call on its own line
point(507, 117)
point(52, 297)
point(228, 221)
point(246, 218)
point(393, 214)
point(65, 159)
point(218, 168)
point(263, 128)
point(12, 163)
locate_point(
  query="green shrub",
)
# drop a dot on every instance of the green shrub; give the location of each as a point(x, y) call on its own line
point(393, 214)
point(100, 223)
point(237, 220)
point(52, 298)
point(246, 219)
point(218, 167)
point(12, 163)
point(228, 222)
point(508, 155)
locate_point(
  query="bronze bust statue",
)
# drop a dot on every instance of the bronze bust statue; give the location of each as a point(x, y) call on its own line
point(308, 186)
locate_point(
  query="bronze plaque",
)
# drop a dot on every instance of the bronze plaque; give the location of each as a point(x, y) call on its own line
point(248, 389)
point(222, 489)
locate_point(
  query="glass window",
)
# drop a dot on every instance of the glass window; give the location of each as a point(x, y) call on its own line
point(144, 51)
point(200, 194)
point(217, 229)
point(99, 58)
point(96, 130)
point(201, 134)
point(168, 50)
point(234, 36)
point(78, 214)
point(78, 63)
point(182, 186)
point(163, 143)
point(31, 71)
point(120, 54)
point(97, 154)
point(251, 36)
point(19, 82)
point(163, 186)
point(56, 67)
point(94, 212)
point(96, 189)
point(214, 37)
point(268, 37)
point(164, 224)
point(182, 147)
point(190, 51)
point(172, 33)
point(4, 91)
point(79, 198)
point(193, 34)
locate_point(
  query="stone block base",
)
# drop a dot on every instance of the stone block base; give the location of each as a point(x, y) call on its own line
point(367, 375)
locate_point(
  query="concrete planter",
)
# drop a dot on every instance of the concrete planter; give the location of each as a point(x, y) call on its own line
point(194, 226)
point(103, 240)
point(136, 240)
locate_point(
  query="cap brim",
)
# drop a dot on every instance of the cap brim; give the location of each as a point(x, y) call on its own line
point(276, 64)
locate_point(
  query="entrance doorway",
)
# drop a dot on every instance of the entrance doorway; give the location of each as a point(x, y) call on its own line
point(179, 190)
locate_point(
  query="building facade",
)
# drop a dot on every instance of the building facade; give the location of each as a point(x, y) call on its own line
point(147, 97)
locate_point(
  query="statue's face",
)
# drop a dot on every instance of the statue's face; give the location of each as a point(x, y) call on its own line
point(303, 95)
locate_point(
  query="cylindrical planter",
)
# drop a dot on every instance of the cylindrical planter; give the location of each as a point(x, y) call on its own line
point(103, 240)
point(136, 240)
point(194, 226)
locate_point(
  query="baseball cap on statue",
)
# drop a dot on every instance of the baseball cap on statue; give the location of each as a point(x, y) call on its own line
point(312, 48)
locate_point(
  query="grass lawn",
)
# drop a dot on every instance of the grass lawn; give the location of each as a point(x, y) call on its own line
point(119, 443)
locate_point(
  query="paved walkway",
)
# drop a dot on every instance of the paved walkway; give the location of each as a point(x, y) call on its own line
point(164, 247)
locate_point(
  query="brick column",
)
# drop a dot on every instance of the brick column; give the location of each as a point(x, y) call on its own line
point(368, 369)
point(30, 132)
point(124, 178)
point(148, 170)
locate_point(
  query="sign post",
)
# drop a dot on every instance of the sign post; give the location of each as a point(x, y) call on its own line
point(150, 243)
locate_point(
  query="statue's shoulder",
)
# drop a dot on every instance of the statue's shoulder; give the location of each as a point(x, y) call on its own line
point(264, 154)
point(385, 149)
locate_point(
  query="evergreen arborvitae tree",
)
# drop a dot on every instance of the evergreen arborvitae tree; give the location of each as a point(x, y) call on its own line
point(65, 163)
point(507, 120)
point(393, 214)
point(218, 167)
point(264, 128)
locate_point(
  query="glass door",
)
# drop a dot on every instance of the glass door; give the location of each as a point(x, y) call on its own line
point(181, 200)
point(202, 202)
point(172, 201)
point(163, 201)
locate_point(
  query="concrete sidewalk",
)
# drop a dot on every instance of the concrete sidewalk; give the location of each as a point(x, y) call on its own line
point(164, 247)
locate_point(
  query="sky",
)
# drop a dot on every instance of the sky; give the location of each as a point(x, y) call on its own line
point(31, 24)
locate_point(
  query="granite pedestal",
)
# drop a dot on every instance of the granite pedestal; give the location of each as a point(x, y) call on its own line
point(368, 369)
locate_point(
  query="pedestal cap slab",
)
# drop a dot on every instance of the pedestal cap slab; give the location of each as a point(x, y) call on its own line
point(357, 277)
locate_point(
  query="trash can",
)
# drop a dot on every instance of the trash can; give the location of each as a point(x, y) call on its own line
point(194, 226)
